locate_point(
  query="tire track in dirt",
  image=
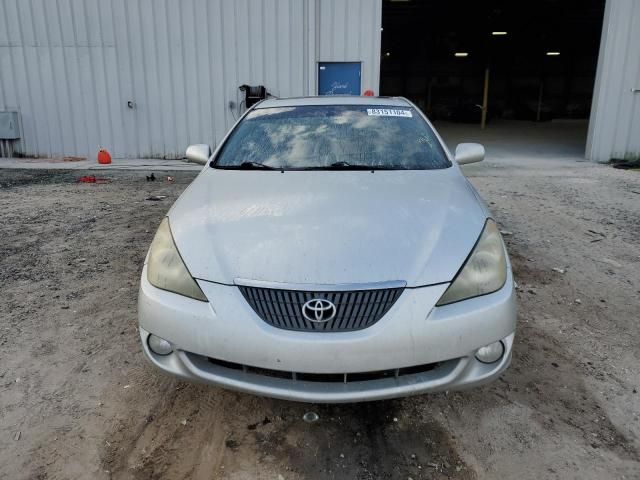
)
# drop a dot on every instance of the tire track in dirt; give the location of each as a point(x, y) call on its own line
point(181, 437)
point(206, 433)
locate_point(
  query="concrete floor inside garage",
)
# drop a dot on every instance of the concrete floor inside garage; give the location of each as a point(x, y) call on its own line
point(515, 141)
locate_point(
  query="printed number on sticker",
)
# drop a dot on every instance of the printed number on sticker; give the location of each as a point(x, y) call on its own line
point(388, 112)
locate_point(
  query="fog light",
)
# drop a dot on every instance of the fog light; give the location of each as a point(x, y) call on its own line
point(159, 346)
point(490, 353)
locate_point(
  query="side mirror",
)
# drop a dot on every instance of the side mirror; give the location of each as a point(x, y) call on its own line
point(199, 153)
point(469, 153)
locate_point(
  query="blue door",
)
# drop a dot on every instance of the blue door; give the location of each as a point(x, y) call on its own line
point(339, 78)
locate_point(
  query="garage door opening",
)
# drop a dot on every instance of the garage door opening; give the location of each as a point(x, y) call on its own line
point(512, 66)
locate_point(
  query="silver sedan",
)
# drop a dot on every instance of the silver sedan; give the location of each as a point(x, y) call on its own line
point(330, 251)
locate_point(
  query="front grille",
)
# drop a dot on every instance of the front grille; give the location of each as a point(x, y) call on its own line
point(355, 310)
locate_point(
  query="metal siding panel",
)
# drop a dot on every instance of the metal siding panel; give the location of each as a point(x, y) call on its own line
point(63, 130)
point(22, 99)
point(164, 75)
point(125, 117)
point(243, 43)
point(297, 54)
point(8, 91)
point(376, 45)
point(354, 17)
point(98, 51)
point(205, 102)
point(41, 21)
point(632, 139)
point(257, 47)
point(623, 82)
point(314, 50)
point(219, 111)
point(271, 49)
point(86, 60)
point(4, 32)
point(74, 82)
point(88, 94)
point(342, 25)
point(32, 77)
point(372, 41)
point(138, 74)
point(614, 126)
point(124, 72)
point(182, 80)
point(325, 19)
point(177, 74)
point(229, 65)
point(276, 51)
point(367, 42)
point(284, 47)
point(117, 104)
point(151, 83)
point(61, 27)
point(92, 22)
point(66, 25)
point(190, 76)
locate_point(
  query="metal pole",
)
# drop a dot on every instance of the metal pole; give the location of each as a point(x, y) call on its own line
point(485, 99)
point(429, 96)
point(539, 101)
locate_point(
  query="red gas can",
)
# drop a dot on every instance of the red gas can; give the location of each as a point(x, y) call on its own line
point(104, 157)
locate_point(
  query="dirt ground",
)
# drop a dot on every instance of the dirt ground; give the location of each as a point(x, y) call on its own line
point(77, 399)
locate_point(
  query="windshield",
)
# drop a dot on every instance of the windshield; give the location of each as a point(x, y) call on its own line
point(333, 137)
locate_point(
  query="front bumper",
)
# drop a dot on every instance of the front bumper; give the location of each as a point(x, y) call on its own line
point(225, 343)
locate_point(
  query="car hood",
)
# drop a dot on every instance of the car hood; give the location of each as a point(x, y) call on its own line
point(327, 227)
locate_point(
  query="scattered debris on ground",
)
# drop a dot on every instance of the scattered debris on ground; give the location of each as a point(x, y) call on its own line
point(156, 198)
point(625, 164)
point(92, 179)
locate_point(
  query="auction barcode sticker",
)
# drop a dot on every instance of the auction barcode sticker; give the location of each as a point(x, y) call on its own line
point(388, 112)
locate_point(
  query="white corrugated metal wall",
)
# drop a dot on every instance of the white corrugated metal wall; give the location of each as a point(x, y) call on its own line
point(71, 66)
point(614, 127)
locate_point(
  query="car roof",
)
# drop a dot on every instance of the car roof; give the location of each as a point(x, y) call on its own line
point(333, 100)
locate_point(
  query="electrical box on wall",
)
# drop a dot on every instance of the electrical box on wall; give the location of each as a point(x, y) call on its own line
point(253, 95)
point(9, 126)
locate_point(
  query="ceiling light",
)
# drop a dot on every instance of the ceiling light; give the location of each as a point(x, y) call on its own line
point(498, 33)
point(387, 54)
point(461, 54)
point(553, 54)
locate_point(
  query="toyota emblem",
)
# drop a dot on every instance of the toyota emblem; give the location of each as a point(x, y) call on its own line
point(319, 310)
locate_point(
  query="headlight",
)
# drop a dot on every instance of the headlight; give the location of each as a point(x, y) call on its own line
point(165, 268)
point(485, 271)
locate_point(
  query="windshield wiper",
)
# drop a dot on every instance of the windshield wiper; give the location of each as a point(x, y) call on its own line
point(254, 165)
point(353, 166)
